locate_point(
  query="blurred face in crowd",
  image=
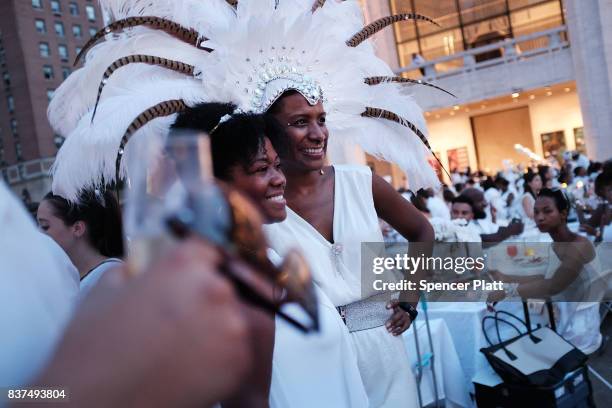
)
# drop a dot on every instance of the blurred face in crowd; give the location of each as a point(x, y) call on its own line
point(546, 214)
point(462, 211)
point(306, 129)
point(480, 203)
point(65, 235)
point(264, 182)
point(536, 184)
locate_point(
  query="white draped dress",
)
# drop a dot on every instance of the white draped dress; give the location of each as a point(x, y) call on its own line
point(336, 267)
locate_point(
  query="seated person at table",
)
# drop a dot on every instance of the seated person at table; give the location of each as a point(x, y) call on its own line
point(572, 274)
point(489, 231)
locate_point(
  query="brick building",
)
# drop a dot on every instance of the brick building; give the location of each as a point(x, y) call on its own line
point(39, 40)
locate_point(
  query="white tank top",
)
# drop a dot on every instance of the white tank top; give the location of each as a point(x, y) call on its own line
point(336, 267)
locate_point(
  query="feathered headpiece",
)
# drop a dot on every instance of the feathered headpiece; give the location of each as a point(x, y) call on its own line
point(160, 56)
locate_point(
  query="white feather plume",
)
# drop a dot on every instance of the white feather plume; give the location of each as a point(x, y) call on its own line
point(256, 36)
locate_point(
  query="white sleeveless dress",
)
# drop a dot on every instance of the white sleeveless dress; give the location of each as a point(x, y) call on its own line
point(318, 369)
point(381, 357)
point(578, 322)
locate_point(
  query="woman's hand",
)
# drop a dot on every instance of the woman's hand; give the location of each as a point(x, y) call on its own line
point(400, 319)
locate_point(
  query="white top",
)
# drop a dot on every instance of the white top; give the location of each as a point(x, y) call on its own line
point(38, 290)
point(484, 226)
point(336, 266)
point(438, 208)
point(92, 278)
point(579, 321)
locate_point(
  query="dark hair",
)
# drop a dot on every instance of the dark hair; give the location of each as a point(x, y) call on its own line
point(577, 170)
point(558, 197)
point(594, 167)
point(235, 141)
point(448, 195)
point(502, 181)
point(543, 172)
point(464, 200)
point(601, 181)
point(424, 193)
point(488, 183)
point(100, 212)
point(419, 202)
point(529, 176)
point(459, 187)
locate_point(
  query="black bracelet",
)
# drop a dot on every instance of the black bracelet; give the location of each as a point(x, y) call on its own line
point(408, 308)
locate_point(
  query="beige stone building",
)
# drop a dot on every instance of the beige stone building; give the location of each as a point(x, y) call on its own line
point(531, 72)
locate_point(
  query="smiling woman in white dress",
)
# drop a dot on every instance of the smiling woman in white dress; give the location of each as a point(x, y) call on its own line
point(331, 211)
point(308, 370)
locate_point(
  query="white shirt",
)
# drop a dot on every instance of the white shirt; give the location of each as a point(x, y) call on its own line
point(485, 226)
point(38, 290)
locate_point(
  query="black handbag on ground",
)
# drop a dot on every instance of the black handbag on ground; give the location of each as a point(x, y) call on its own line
point(539, 357)
point(575, 391)
point(537, 389)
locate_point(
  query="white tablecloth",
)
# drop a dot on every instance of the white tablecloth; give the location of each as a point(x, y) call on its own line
point(453, 386)
point(463, 320)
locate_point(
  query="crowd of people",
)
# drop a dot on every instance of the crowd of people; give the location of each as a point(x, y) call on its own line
point(205, 322)
point(501, 205)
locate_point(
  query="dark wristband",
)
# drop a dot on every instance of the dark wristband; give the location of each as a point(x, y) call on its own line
point(408, 308)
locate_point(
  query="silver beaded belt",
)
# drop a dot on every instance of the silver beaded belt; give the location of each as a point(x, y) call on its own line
point(367, 313)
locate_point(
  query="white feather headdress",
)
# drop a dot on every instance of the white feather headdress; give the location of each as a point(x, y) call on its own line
point(160, 56)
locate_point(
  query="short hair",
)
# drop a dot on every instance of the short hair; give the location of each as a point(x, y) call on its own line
point(235, 141)
point(561, 201)
point(501, 180)
point(462, 199)
point(602, 181)
point(448, 195)
point(528, 177)
point(100, 211)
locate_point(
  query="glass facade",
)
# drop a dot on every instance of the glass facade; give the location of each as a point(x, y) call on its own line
point(467, 24)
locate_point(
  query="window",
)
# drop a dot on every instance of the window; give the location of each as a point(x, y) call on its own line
point(74, 9)
point(18, 152)
point(91, 13)
point(48, 72)
point(92, 31)
point(10, 101)
point(50, 93)
point(63, 52)
point(55, 6)
point(37, 4)
point(6, 77)
point(468, 24)
point(44, 49)
point(59, 29)
point(76, 31)
point(77, 50)
point(14, 126)
point(40, 25)
point(65, 72)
